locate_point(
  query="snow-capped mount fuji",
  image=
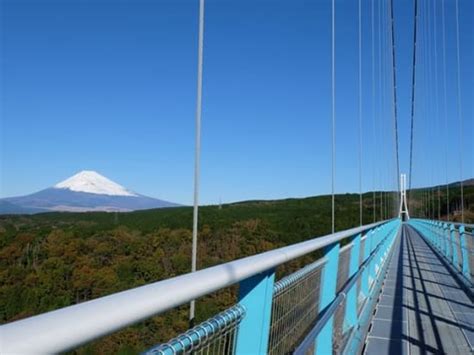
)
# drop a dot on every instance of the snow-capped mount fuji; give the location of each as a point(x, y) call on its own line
point(93, 183)
point(84, 191)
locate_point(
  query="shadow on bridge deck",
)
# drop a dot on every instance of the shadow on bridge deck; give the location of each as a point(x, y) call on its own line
point(422, 307)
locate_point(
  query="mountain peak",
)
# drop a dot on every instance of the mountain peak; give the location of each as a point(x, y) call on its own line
point(92, 182)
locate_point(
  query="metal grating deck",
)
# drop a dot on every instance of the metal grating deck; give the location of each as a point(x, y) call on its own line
point(422, 308)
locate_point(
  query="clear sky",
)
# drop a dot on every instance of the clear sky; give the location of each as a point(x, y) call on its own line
point(111, 86)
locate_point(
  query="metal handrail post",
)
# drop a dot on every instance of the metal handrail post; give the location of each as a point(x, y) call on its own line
point(365, 274)
point(446, 241)
point(323, 344)
point(372, 275)
point(255, 295)
point(454, 249)
point(351, 303)
point(466, 269)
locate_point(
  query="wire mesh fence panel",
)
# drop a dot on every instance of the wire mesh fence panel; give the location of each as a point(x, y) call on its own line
point(224, 344)
point(360, 301)
point(338, 339)
point(215, 336)
point(312, 349)
point(446, 238)
point(457, 240)
point(470, 252)
point(343, 267)
point(360, 296)
point(362, 250)
point(295, 308)
point(339, 315)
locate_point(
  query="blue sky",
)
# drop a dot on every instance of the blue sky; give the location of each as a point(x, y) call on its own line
point(111, 85)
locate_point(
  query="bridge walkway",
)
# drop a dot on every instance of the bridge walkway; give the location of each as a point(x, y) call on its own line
point(422, 308)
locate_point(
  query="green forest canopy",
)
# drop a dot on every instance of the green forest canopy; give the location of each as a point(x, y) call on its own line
point(52, 260)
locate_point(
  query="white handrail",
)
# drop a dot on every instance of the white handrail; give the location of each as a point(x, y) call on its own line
point(72, 326)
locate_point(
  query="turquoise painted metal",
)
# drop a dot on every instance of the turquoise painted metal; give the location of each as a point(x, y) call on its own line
point(255, 295)
point(446, 240)
point(440, 240)
point(372, 262)
point(357, 337)
point(466, 267)
point(352, 296)
point(454, 249)
point(323, 343)
point(442, 236)
point(365, 274)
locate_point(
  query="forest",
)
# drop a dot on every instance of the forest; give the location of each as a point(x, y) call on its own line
point(52, 260)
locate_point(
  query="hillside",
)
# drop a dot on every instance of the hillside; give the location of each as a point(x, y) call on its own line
point(52, 260)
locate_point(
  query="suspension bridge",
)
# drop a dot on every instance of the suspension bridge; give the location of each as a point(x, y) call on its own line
point(401, 285)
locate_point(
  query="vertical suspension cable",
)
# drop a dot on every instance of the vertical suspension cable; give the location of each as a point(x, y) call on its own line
point(445, 99)
point(386, 82)
point(395, 111)
point(413, 86)
point(420, 107)
point(385, 101)
point(436, 79)
point(383, 107)
point(333, 93)
point(197, 158)
point(360, 112)
point(387, 106)
point(373, 105)
point(432, 103)
point(380, 99)
point(429, 102)
point(459, 104)
point(423, 95)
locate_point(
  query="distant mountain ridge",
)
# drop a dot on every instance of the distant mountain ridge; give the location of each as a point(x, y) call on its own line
point(85, 191)
point(468, 182)
point(10, 208)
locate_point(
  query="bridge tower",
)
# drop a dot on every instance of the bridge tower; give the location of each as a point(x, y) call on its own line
point(403, 211)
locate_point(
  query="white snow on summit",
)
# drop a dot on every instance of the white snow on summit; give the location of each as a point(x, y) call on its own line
point(93, 183)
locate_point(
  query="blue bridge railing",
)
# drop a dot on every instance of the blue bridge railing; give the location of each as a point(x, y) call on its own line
point(321, 308)
point(325, 305)
point(454, 242)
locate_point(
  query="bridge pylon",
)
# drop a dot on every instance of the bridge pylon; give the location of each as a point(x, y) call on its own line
point(403, 211)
